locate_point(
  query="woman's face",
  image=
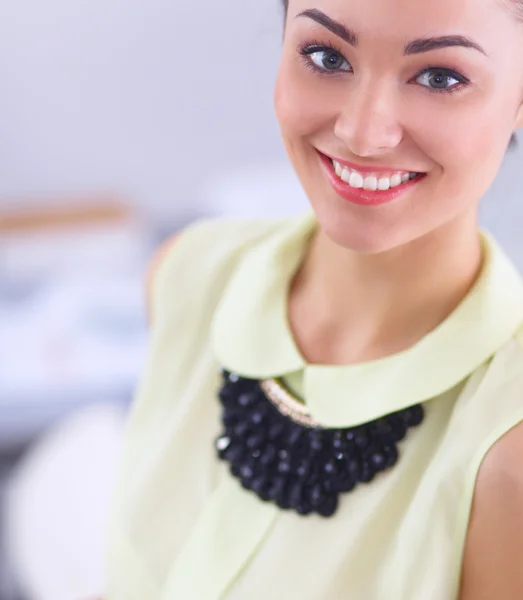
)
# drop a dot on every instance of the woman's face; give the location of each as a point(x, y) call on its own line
point(394, 88)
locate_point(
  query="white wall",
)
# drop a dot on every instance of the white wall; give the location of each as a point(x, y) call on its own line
point(162, 100)
point(150, 97)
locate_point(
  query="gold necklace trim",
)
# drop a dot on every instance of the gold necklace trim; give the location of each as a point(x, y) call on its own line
point(286, 403)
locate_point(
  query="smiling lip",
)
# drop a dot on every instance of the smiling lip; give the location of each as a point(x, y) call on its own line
point(360, 196)
point(361, 169)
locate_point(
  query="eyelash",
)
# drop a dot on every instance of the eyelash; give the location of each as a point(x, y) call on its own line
point(306, 50)
point(461, 79)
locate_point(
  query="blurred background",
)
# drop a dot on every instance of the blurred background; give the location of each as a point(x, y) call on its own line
point(120, 121)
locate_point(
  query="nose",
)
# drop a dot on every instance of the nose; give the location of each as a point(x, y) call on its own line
point(369, 124)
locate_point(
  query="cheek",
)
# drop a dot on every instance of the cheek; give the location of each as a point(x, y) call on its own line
point(301, 108)
point(467, 144)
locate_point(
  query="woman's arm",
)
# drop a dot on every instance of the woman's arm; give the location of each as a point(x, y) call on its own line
point(493, 560)
point(154, 265)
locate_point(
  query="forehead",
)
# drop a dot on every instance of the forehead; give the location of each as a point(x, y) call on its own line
point(398, 21)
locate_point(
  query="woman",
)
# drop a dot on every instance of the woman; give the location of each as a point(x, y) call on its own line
point(366, 418)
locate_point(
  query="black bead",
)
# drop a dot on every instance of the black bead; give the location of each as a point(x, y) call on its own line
point(276, 430)
point(246, 472)
point(257, 417)
point(294, 435)
point(347, 483)
point(414, 415)
point(246, 483)
point(315, 475)
point(391, 455)
point(316, 440)
point(303, 508)
point(259, 485)
point(331, 486)
point(276, 486)
point(269, 455)
point(247, 399)
point(367, 473)
point(295, 466)
point(379, 461)
point(339, 442)
point(398, 428)
point(361, 439)
point(330, 468)
point(227, 395)
point(278, 492)
point(230, 416)
point(317, 495)
point(235, 469)
point(303, 468)
point(234, 453)
point(255, 441)
point(242, 428)
point(380, 428)
point(328, 507)
point(296, 494)
point(353, 467)
point(283, 502)
point(284, 464)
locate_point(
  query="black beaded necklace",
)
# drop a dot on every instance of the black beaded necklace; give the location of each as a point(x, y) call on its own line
point(276, 449)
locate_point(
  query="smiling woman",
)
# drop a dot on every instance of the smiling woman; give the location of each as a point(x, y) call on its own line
point(333, 404)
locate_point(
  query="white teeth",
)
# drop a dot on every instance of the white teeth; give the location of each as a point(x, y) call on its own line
point(395, 180)
point(370, 183)
point(356, 180)
point(384, 184)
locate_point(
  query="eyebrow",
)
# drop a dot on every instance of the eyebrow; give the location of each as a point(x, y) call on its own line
point(417, 46)
point(446, 41)
point(337, 28)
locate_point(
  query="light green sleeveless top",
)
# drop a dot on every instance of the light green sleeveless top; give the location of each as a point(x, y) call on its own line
point(184, 529)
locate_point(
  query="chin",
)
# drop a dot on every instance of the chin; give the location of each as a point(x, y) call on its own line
point(357, 232)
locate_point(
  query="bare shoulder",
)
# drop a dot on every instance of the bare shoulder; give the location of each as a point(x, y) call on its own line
point(493, 559)
point(161, 252)
point(157, 259)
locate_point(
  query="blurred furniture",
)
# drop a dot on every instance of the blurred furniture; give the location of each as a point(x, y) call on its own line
point(72, 310)
point(57, 507)
point(73, 335)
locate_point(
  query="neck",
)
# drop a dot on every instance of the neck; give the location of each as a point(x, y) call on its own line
point(348, 307)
